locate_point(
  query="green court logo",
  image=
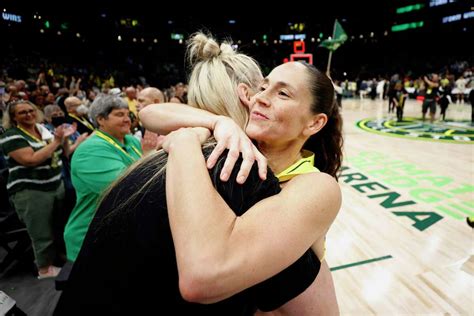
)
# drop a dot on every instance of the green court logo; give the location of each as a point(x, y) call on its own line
point(459, 132)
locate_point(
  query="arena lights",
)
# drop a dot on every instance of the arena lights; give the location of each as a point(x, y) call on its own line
point(299, 27)
point(130, 23)
point(292, 37)
point(468, 15)
point(458, 17)
point(435, 3)
point(10, 17)
point(410, 8)
point(452, 18)
point(407, 26)
point(177, 36)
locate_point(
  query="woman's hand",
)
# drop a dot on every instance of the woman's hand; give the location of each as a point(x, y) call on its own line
point(82, 138)
point(230, 136)
point(149, 142)
point(185, 136)
point(69, 129)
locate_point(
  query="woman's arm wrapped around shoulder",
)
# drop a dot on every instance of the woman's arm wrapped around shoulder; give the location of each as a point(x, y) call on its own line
point(220, 253)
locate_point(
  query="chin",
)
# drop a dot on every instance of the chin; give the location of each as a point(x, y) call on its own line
point(256, 132)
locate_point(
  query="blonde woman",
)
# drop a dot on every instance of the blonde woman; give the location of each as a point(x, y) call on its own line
point(34, 183)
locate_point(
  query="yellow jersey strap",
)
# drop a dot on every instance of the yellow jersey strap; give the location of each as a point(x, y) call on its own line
point(84, 121)
point(304, 165)
point(114, 143)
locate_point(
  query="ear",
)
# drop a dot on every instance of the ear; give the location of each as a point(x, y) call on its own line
point(317, 122)
point(244, 93)
point(100, 120)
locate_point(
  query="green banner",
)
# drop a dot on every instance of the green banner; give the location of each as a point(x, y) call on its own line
point(339, 38)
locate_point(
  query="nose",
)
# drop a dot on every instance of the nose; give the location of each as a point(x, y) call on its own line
point(262, 99)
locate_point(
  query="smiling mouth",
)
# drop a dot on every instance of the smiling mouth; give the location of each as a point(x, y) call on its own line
point(259, 115)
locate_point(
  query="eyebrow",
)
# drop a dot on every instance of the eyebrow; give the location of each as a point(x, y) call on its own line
point(281, 84)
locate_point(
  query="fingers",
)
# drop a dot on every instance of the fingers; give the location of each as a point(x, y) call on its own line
point(160, 140)
point(244, 171)
point(248, 158)
point(230, 161)
point(262, 164)
point(216, 153)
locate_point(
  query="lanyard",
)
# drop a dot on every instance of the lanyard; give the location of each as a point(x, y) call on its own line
point(55, 155)
point(42, 142)
point(82, 120)
point(304, 165)
point(114, 143)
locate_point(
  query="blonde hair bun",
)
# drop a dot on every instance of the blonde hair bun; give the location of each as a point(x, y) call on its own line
point(202, 47)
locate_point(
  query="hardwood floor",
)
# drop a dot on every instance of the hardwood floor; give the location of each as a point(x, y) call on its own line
point(404, 206)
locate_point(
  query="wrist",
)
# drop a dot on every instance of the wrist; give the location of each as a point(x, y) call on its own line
point(57, 140)
point(183, 142)
point(215, 119)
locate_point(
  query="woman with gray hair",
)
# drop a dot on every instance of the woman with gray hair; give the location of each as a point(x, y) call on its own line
point(97, 163)
point(34, 183)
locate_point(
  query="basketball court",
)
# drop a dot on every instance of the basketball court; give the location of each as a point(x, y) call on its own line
point(400, 244)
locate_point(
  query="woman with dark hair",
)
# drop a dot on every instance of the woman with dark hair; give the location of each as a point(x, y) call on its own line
point(130, 245)
point(293, 116)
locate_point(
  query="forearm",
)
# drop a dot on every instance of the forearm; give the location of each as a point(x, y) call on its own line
point(72, 148)
point(220, 254)
point(167, 117)
point(199, 223)
point(43, 154)
point(67, 147)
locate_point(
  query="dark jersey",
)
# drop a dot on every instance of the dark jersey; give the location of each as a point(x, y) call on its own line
point(127, 264)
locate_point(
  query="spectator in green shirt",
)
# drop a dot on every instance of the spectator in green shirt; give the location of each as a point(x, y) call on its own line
point(97, 163)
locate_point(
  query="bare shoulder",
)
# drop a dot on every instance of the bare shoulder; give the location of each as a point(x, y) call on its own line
point(318, 181)
point(318, 187)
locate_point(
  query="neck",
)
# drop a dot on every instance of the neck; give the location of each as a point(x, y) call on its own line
point(281, 156)
point(31, 128)
point(120, 137)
